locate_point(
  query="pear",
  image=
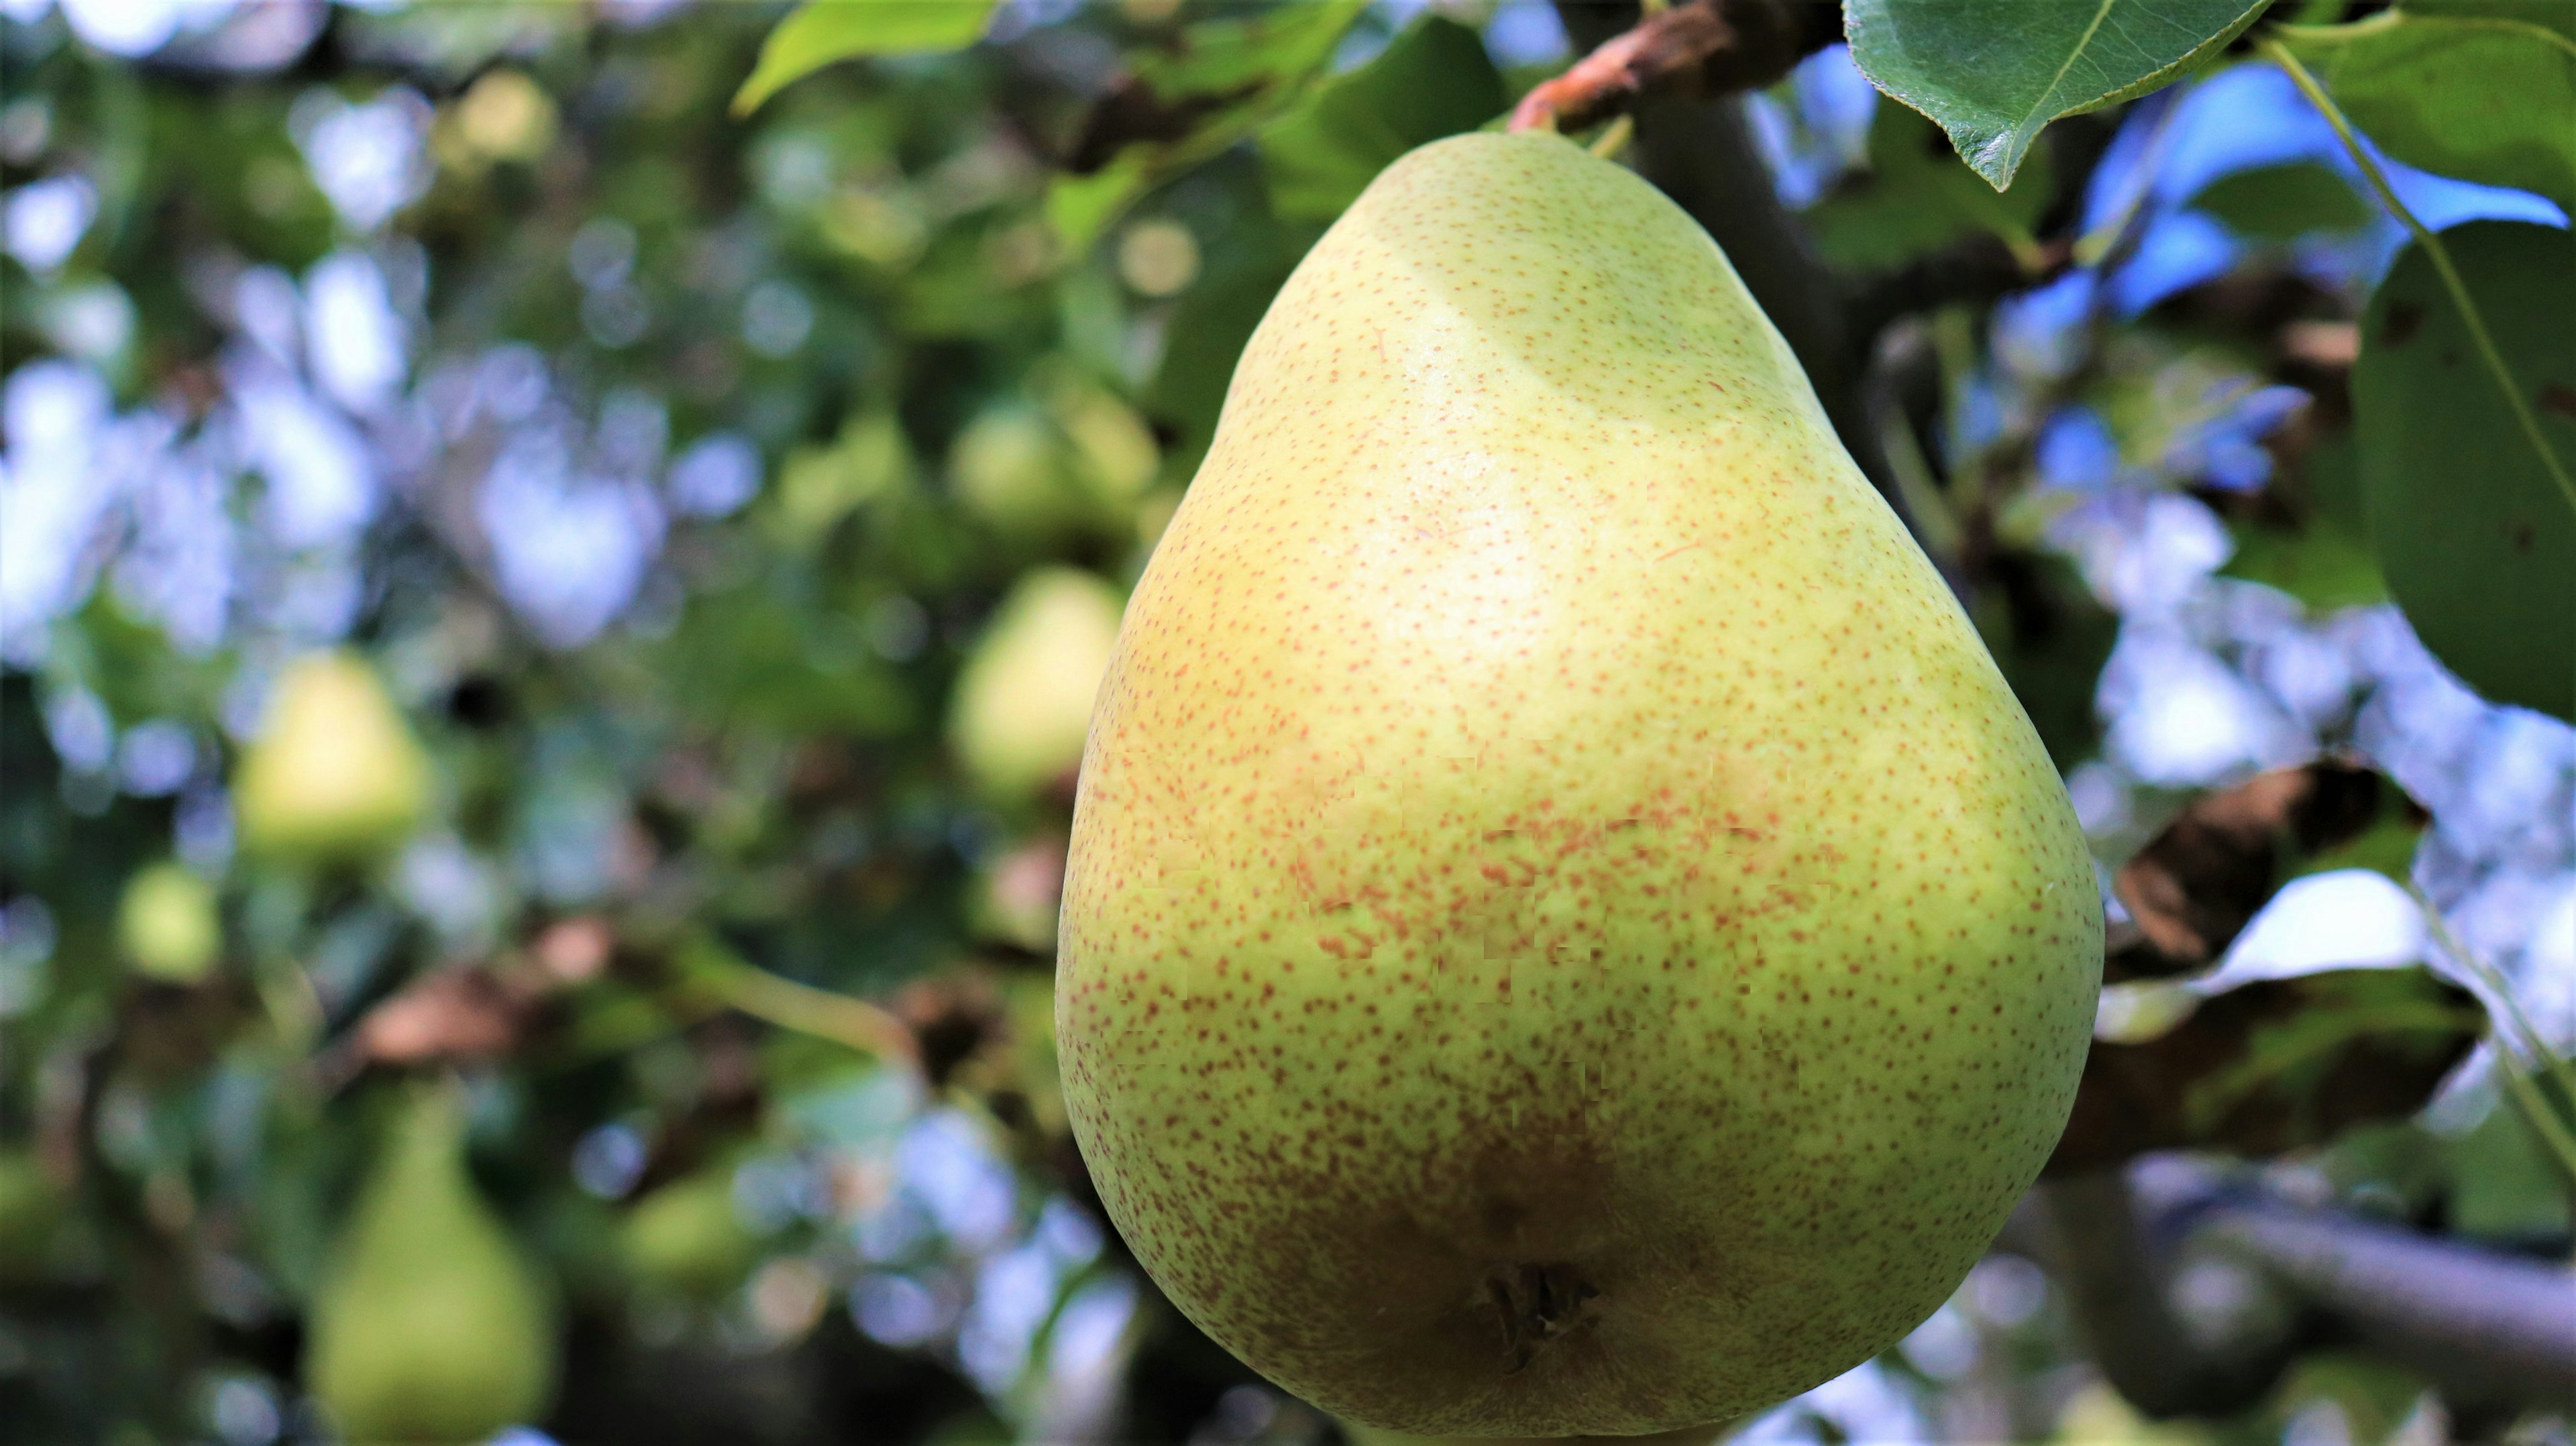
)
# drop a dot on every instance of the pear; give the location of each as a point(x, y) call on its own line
point(430, 1326)
point(1024, 698)
point(1567, 932)
point(335, 772)
point(687, 1238)
point(166, 924)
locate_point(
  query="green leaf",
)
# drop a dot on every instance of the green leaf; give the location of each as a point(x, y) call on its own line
point(2555, 15)
point(1433, 80)
point(2476, 539)
point(2323, 566)
point(823, 31)
point(1993, 72)
point(2284, 202)
point(2484, 99)
point(1233, 75)
point(1916, 197)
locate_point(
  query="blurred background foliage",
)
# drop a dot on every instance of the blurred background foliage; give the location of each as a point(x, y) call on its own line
point(548, 618)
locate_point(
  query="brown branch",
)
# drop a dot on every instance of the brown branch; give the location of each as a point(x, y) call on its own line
point(2491, 1332)
point(1698, 47)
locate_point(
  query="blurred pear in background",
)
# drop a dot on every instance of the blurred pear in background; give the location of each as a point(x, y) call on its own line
point(431, 1326)
point(1023, 703)
point(167, 926)
point(335, 772)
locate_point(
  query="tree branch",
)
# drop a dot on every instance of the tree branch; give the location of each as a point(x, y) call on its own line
point(1696, 47)
point(2487, 1330)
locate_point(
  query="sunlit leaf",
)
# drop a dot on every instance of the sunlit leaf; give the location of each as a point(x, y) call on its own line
point(825, 31)
point(1993, 72)
point(2476, 538)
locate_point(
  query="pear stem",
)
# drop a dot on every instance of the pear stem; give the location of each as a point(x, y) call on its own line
point(1712, 46)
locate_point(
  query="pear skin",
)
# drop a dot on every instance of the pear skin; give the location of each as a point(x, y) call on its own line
point(431, 1326)
point(1567, 931)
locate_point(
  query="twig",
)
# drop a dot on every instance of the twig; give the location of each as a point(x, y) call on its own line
point(789, 1005)
point(2434, 251)
point(1708, 46)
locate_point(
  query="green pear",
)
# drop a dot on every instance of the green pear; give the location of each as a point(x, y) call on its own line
point(1024, 699)
point(335, 772)
point(166, 924)
point(687, 1238)
point(1567, 930)
point(430, 1326)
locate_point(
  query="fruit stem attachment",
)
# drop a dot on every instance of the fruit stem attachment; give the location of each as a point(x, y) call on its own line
point(1712, 47)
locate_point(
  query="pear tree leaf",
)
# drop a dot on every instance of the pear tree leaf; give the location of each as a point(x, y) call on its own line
point(1431, 81)
point(1916, 196)
point(2196, 885)
point(2482, 98)
point(2284, 202)
point(2271, 1066)
point(1993, 72)
point(821, 32)
point(1188, 104)
point(2474, 535)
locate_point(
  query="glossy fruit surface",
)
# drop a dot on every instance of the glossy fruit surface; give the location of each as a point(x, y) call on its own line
point(1567, 930)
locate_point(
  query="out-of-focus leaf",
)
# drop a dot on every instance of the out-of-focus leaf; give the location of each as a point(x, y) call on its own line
point(1206, 334)
point(2555, 15)
point(2319, 563)
point(2477, 539)
point(2284, 202)
point(1200, 97)
point(2275, 1065)
point(1431, 81)
point(2196, 884)
point(2484, 98)
point(1916, 197)
point(824, 31)
point(1993, 72)
point(2050, 636)
point(2503, 1184)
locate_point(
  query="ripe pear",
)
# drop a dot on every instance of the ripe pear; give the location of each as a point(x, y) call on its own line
point(1567, 929)
point(1024, 699)
point(166, 924)
point(335, 772)
point(430, 1326)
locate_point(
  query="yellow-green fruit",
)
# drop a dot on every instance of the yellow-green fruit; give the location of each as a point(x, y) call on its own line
point(1009, 467)
point(1024, 698)
point(687, 1238)
point(431, 1325)
point(335, 771)
point(1567, 930)
point(166, 924)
